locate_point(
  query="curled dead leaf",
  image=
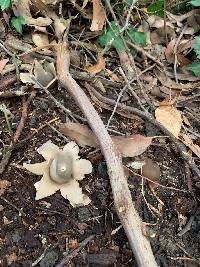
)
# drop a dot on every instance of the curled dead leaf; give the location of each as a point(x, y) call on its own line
point(167, 82)
point(179, 18)
point(61, 170)
point(184, 45)
point(170, 117)
point(59, 28)
point(99, 16)
point(99, 66)
point(169, 51)
point(158, 36)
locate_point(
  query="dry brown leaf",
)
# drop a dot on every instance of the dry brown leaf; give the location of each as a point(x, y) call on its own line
point(3, 63)
point(167, 82)
point(99, 16)
point(169, 51)
point(61, 170)
point(179, 18)
point(80, 133)
point(188, 142)
point(22, 8)
point(183, 46)
point(59, 28)
point(170, 117)
point(40, 39)
point(99, 66)
point(4, 184)
point(132, 145)
point(182, 60)
point(50, 2)
point(129, 146)
point(45, 75)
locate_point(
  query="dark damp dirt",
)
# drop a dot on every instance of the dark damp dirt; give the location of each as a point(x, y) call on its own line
point(53, 228)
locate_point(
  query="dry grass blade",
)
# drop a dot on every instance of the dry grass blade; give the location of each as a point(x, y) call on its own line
point(121, 194)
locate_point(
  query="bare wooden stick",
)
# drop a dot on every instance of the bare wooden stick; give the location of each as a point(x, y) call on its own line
point(122, 196)
point(8, 153)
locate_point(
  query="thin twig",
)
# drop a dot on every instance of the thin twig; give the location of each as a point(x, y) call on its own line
point(128, 16)
point(156, 183)
point(41, 256)
point(175, 51)
point(21, 213)
point(144, 52)
point(58, 104)
point(56, 131)
point(13, 57)
point(75, 251)
point(24, 116)
point(117, 101)
point(165, 24)
point(131, 89)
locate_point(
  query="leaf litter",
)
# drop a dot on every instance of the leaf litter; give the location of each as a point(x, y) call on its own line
point(166, 64)
point(170, 117)
point(129, 146)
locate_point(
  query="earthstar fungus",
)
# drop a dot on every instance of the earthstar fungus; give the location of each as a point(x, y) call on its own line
point(61, 170)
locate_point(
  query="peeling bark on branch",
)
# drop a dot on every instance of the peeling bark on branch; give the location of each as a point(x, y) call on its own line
point(121, 194)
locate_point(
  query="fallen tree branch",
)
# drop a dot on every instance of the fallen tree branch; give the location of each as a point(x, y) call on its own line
point(121, 194)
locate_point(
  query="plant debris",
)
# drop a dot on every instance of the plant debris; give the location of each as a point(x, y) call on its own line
point(170, 117)
point(129, 146)
point(121, 80)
